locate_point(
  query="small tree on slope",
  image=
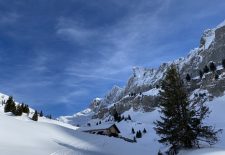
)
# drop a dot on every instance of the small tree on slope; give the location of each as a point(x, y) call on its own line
point(181, 124)
point(35, 116)
point(10, 105)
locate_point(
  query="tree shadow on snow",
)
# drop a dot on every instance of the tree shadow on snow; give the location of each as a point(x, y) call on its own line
point(79, 150)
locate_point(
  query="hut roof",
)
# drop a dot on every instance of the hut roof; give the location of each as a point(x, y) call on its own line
point(100, 127)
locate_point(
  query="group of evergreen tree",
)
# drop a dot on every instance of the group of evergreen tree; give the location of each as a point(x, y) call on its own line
point(206, 69)
point(18, 110)
point(181, 124)
point(132, 94)
point(100, 122)
point(49, 116)
point(138, 134)
point(212, 67)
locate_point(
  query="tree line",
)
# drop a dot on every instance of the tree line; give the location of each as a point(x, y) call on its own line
point(19, 109)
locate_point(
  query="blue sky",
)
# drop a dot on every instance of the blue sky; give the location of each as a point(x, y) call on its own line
point(58, 55)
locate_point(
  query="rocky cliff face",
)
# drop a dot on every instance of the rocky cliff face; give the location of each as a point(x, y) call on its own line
point(141, 91)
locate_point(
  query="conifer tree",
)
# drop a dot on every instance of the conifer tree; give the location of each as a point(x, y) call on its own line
point(19, 110)
point(116, 116)
point(206, 69)
point(144, 131)
point(49, 116)
point(35, 116)
point(212, 66)
point(25, 108)
point(181, 123)
point(137, 134)
point(134, 139)
point(41, 114)
point(160, 153)
point(122, 118)
point(10, 105)
point(132, 131)
point(223, 63)
point(129, 118)
point(216, 76)
point(140, 134)
point(200, 74)
point(188, 78)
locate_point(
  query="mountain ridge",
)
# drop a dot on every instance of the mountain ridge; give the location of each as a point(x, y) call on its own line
point(140, 92)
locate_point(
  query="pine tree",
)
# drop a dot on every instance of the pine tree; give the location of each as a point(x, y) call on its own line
point(137, 134)
point(134, 139)
point(144, 131)
point(19, 110)
point(132, 131)
point(140, 134)
point(129, 118)
point(35, 116)
point(216, 76)
point(188, 78)
point(181, 123)
point(122, 118)
point(212, 66)
point(206, 69)
point(25, 108)
point(49, 116)
point(223, 63)
point(160, 153)
point(200, 74)
point(41, 114)
point(10, 105)
point(116, 116)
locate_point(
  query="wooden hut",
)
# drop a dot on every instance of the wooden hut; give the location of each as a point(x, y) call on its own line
point(109, 130)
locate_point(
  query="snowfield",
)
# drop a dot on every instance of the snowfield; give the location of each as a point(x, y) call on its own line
point(20, 135)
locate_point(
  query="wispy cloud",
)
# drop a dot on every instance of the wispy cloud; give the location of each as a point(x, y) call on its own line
point(66, 98)
point(118, 45)
point(74, 31)
point(8, 18)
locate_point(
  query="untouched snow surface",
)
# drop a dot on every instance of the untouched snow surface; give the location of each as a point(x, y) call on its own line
point(20, 135)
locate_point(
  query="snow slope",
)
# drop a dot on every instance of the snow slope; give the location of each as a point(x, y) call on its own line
point(20, 135)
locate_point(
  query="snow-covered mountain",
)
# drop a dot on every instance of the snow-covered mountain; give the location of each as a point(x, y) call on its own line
point(140, 92)
point(21, 135)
